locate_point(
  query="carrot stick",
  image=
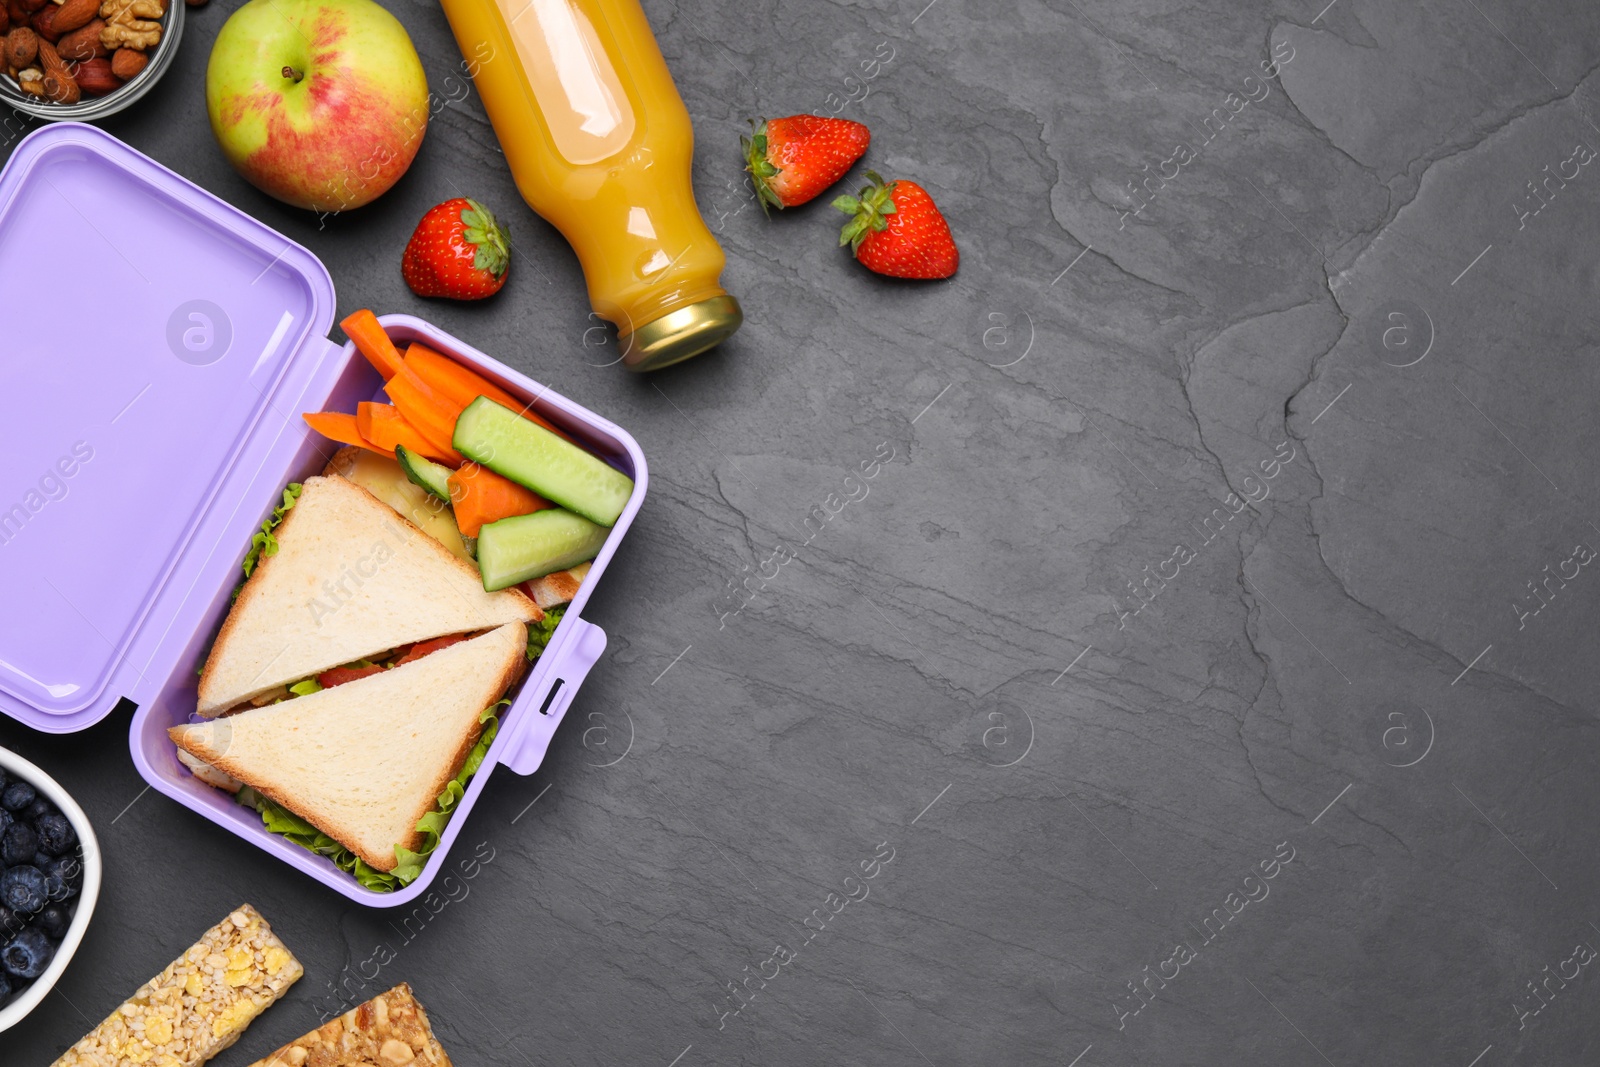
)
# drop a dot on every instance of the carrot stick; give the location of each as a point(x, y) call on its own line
point(385, 427)
point(365, 420)
point(337, 426)
point(433, 416)
point(479, 495)
point(363, 328)
point(460, 384)
point(453, 380)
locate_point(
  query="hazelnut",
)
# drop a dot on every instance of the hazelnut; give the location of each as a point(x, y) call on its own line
point(22, 47)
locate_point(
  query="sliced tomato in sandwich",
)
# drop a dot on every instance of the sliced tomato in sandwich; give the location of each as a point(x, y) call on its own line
point(422, 648)
point(408, 653)
point(341, 675)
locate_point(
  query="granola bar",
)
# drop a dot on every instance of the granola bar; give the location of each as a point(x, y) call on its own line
point(199, 1005)
point(390, 1030)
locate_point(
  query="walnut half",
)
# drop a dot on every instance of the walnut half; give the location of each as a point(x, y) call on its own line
point(126, 10)
point(137, 36)
point(129, 23)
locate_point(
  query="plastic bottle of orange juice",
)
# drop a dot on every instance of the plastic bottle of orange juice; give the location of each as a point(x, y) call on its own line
point(599, 143)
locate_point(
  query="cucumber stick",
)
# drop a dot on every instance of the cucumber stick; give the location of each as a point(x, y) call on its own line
point(531, 546)
point(424, 472)
point(532, 456)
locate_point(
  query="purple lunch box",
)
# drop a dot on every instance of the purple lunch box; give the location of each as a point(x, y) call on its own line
point(151, 418)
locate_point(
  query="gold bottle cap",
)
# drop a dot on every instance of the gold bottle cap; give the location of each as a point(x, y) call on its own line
point(681, 334)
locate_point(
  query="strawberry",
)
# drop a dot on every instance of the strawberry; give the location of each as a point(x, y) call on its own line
point(792, 160)
point(897, 230)
point(458, 251)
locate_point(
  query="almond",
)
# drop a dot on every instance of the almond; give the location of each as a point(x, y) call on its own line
point(95, 77)
point(73, 14)
point(83, 42)
point(32, 5)
point(44, 23)
point(5, 20)
point(60, 90)
point(17, 12)
point(59, 85)
point(126, 63)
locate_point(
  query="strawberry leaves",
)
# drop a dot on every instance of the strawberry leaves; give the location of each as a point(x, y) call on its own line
point(762, 170)
point(869, 211)
point(480, 228)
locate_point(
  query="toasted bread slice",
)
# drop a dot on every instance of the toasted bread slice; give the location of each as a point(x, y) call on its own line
point(364, 761)
point(351, 578)
point(389, 1029)
point(559, 588)
point(383, 478)
point(209, 774)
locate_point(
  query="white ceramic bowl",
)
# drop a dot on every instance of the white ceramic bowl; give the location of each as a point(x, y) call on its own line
point(20, 1006)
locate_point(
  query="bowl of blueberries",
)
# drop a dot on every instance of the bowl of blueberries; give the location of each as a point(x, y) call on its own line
point(49, 882)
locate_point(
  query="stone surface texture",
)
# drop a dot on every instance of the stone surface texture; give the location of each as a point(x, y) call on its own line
point(1308, 321)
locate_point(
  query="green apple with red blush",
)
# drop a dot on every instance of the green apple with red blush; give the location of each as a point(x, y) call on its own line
point(320, 103)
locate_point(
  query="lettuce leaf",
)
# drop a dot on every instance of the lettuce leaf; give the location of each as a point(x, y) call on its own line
point(539, 633)
point(281, 820)
point(263, 543)
point(432, 824)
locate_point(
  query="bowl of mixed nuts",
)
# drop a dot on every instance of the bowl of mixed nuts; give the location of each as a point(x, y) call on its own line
point(84, 59)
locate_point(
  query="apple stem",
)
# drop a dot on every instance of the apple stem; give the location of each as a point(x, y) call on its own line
point(291, 73)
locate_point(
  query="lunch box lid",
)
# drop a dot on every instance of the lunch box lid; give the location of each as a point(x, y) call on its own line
point(148, 371)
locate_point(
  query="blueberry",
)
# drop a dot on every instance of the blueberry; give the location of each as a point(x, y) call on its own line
point(5, 988)
point(17, 795)
point(18, 844)
point(28, 954)
point(55, 887)
point(54, 920)
point(33, 811)
point(6, 819)
point(10, 923)
point(63, 877)
point(22, 889)
point(56, 835)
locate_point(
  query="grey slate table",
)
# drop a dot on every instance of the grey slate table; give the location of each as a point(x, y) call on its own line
point(1339, 347)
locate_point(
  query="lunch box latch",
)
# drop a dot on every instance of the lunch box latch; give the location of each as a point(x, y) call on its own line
point(568, 666)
